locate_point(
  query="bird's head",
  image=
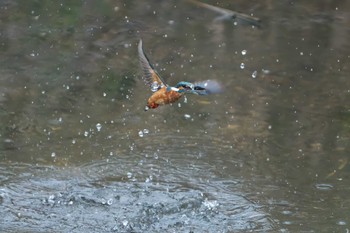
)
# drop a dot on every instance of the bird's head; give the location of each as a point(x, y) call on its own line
point(184, 87)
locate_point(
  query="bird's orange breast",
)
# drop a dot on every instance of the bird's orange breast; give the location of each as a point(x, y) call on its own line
point(162, 97)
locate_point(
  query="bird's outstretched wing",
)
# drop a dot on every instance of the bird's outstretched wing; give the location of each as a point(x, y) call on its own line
point(150, 75)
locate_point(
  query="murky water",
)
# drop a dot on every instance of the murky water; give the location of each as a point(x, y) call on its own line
point(79, 154)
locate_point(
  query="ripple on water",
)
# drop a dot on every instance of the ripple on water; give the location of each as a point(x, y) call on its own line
point(103, 196)
point(164, 183)
point(177, 197)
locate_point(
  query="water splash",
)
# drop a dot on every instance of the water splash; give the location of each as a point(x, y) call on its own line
point(210, 204)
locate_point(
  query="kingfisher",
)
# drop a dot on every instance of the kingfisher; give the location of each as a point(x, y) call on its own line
point(163, 93)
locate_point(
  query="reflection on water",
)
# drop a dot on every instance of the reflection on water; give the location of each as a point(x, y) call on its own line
point(78, 153)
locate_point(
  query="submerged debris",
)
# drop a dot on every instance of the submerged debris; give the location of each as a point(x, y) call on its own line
point(229, 14)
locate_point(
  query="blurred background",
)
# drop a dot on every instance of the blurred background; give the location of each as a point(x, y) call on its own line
point(269, 154)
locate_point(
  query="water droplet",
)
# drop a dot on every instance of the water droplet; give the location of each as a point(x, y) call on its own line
point(154, 87)
point(147, 180)
point(287, 212)
point(242, 66)
point(265, 71)
point(125, 223)
point(74, 141)
point(244, 52)
point(341, 223)
point(155, 156)
point(53, 154)
point(255, 74)
point(187, 116)
point(141, 133)
point(185, 99)
point(145, 131)
point(104, 94)
point(51, 199)
point(86, 133)
point(98, 127)
point(129, 175)
point(110, 201)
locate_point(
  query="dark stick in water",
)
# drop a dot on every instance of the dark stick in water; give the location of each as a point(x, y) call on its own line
point(229, 14)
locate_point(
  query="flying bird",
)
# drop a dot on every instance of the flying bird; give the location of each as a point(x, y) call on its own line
point(163, 93)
